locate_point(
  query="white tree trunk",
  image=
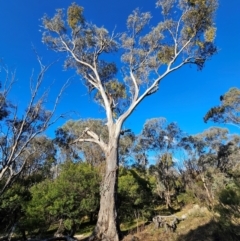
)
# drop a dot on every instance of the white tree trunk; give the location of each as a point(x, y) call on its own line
point(107, 225)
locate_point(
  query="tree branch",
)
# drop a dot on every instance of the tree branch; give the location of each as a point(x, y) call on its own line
point(95, 139)
point(97, 82)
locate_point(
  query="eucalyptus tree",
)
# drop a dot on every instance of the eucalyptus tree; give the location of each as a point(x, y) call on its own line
point(228, 111)
point(88, 151)
point(212, 148)
point(161, 139)
point(211, 159)
point(21, 133)
point(167, 178)
point(159, 136)
point(39, 165)
point(184, 35)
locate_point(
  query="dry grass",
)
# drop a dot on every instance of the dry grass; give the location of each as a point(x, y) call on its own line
point(196, 217)
point(200, 225)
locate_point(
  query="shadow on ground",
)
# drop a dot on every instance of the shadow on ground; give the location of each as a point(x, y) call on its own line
point(212, 231)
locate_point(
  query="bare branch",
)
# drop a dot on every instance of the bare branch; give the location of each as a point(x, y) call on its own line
point(95, 139)
point(97, 82)
point(21, 132)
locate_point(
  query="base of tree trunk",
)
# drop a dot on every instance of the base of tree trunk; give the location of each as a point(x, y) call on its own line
point(104, 236)
point(107, 228)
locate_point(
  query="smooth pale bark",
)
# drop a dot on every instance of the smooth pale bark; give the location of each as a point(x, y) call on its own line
point(107, 227)
point(210, 198)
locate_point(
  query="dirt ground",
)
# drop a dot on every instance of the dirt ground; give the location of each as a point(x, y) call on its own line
point(199, 225)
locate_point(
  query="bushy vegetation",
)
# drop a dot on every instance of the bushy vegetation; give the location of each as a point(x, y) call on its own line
point(65, 197)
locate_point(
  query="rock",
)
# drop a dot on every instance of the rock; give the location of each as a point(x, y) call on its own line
point(184, 216)
point(203, 210)
point(196, 206)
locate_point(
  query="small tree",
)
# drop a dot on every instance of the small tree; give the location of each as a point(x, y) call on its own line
point(162, 140)
point(69, 198)
point(210, 161)
point(184, 35)
point(15, 198)
point(135, 195)
point(20, 132)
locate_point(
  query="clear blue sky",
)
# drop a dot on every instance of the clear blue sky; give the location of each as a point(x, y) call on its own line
point(184, 96)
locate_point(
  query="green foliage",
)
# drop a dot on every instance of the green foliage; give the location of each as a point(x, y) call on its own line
point(212, 157)
point(115, 89)
point(187, 197)
point(210, 34)
point(88, 151)
point(135, 195)
point(230, 196)
point(126, 144)
point(12, 204)
point(4, 106)
point(158, 135)
point(229, 109)
point(229, 205)
point(55, 24)
point(71, 196)
point(167, 179)
point(116, 93)
point(198, 28)
point(166, 54)
point(75, 129)
point(185, 33)
point(16, 197)
point(75, 15)
point(39, 211)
